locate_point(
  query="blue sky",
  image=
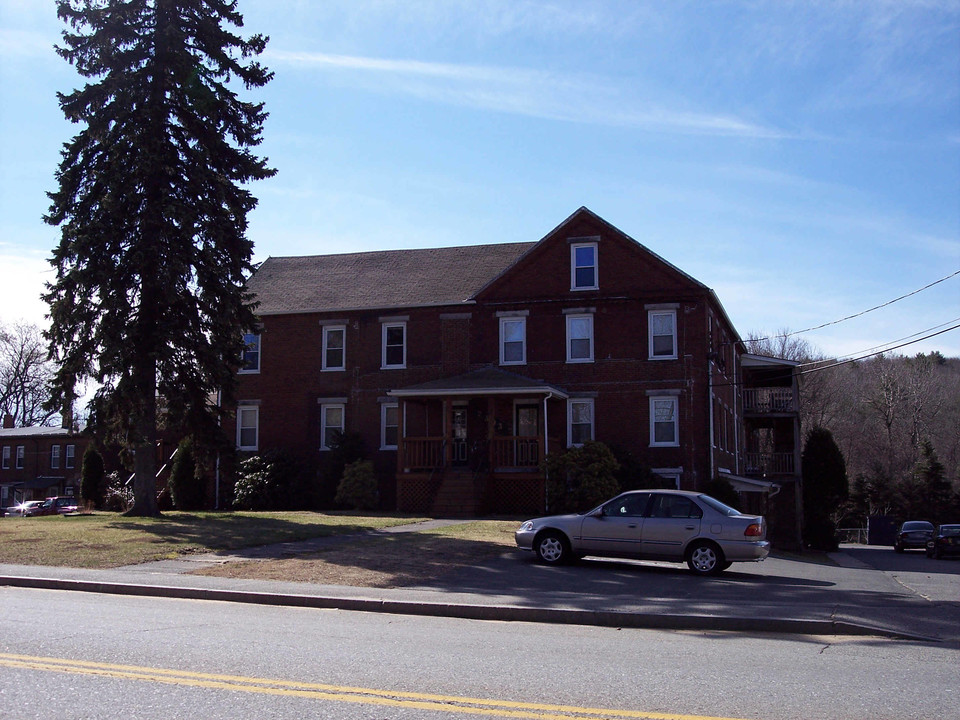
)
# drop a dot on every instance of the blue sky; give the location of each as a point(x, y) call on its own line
point(800, 158)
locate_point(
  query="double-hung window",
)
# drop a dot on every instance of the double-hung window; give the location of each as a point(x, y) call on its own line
point(663, 334)
point(6, 457)
point(513, 340)
point(251, 353)
point(583, 266)
point(331, 424)
point(21, 455)
point(54, 457)
point(394, 335)
point(664, 423)
point(579, 421)
point(248, 427)
point(334, 347)
point(71, 456)
point(389, 426)
point(579, 338)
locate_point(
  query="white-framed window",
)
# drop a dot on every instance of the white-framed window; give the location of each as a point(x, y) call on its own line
point(583, 266)
point(251, 353)
point(394, 345)
point(513, 341)
point(248, 427)
point(671, 475)
point(579, 338)
point(6, 457)
point(54, 457)
point(21, 454)
point(71, 458)
point(579, 421)
point(663, 334)
point(331, 423)
point(334, 347)
point(664, 421)
point(389, 426)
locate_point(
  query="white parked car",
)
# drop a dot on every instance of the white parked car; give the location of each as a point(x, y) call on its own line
point(670, 525)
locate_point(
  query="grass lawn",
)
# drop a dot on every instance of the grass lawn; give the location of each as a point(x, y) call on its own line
point(385, 561)
point(104, 540)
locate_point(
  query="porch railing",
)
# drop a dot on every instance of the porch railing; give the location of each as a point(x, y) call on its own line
point(770, 463)
point(515, 452)
point(423, 454)
point(768, 400)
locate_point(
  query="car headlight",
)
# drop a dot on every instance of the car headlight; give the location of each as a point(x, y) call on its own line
point(527, 526)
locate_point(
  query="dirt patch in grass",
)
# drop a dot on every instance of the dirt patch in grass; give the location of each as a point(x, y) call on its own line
point(384, 561)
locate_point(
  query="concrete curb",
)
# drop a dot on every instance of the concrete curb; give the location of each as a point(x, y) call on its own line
point(504, 613)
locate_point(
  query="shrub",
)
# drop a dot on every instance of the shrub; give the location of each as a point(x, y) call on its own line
point(186, 483)
point(581, 477)
point(273, 480)
point(92, 487)
point(722, 490)
point(358, 487)
point(118, 497)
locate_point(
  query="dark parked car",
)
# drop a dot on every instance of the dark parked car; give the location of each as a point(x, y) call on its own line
point(54, 506)
point(913, 535)
point(669, 525)
point(945, 541)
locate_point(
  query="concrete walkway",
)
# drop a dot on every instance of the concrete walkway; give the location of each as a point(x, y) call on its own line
point(863, 591)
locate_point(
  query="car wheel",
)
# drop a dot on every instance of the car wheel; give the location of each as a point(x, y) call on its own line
point(552, 548)
point(705, 558)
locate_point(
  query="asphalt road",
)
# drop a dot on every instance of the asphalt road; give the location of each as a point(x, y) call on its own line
point(87, 655)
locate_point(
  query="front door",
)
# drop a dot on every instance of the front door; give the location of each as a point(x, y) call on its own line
point(460, 435)
point(527, 435)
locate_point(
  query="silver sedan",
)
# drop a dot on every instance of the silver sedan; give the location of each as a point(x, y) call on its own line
point(669, 525)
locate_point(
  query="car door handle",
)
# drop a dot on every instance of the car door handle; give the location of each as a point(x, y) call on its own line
point(691, 527)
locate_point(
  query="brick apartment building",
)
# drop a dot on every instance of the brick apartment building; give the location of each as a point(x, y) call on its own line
point(38, 462)
point(463, 367)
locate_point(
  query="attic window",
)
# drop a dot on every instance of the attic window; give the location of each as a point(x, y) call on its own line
point(583, 266)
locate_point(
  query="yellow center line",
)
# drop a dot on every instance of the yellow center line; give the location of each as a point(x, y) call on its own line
point(336, 693)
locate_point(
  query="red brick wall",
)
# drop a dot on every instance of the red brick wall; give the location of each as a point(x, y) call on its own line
point(621, 379)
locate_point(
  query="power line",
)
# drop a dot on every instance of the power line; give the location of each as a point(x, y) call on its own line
point(883, 346)
point(880, 352)
point(863, 312)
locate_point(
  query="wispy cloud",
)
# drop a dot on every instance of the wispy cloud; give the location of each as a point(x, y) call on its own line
point(535, 93)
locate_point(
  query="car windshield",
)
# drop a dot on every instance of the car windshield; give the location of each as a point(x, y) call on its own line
point(918, 525)
point(718, 506)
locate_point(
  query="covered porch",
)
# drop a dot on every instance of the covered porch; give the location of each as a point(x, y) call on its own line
point(473, 444)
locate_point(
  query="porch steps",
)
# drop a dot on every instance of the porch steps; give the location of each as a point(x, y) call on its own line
point(460, 494)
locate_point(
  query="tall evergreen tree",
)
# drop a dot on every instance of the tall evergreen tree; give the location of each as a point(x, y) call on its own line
point(149, 295)
point(824, 488)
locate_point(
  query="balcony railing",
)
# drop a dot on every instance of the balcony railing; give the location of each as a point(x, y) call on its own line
point(770, 463)
point(768, 400)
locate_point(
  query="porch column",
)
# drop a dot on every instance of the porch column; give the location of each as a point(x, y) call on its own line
point(401, 433)
point(447, 432)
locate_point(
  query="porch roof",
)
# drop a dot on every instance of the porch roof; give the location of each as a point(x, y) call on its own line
point(745, 484)
point(488, 381)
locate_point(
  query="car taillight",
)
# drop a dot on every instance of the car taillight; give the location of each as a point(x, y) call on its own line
point(753, 530)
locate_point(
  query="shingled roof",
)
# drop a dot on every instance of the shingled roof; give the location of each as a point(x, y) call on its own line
point(375, 280)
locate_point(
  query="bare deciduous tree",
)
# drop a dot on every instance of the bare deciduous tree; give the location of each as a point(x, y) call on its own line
point(25, 375)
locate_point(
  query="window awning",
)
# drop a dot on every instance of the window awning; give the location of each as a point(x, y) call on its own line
point(745, 484)
point(489, 381)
